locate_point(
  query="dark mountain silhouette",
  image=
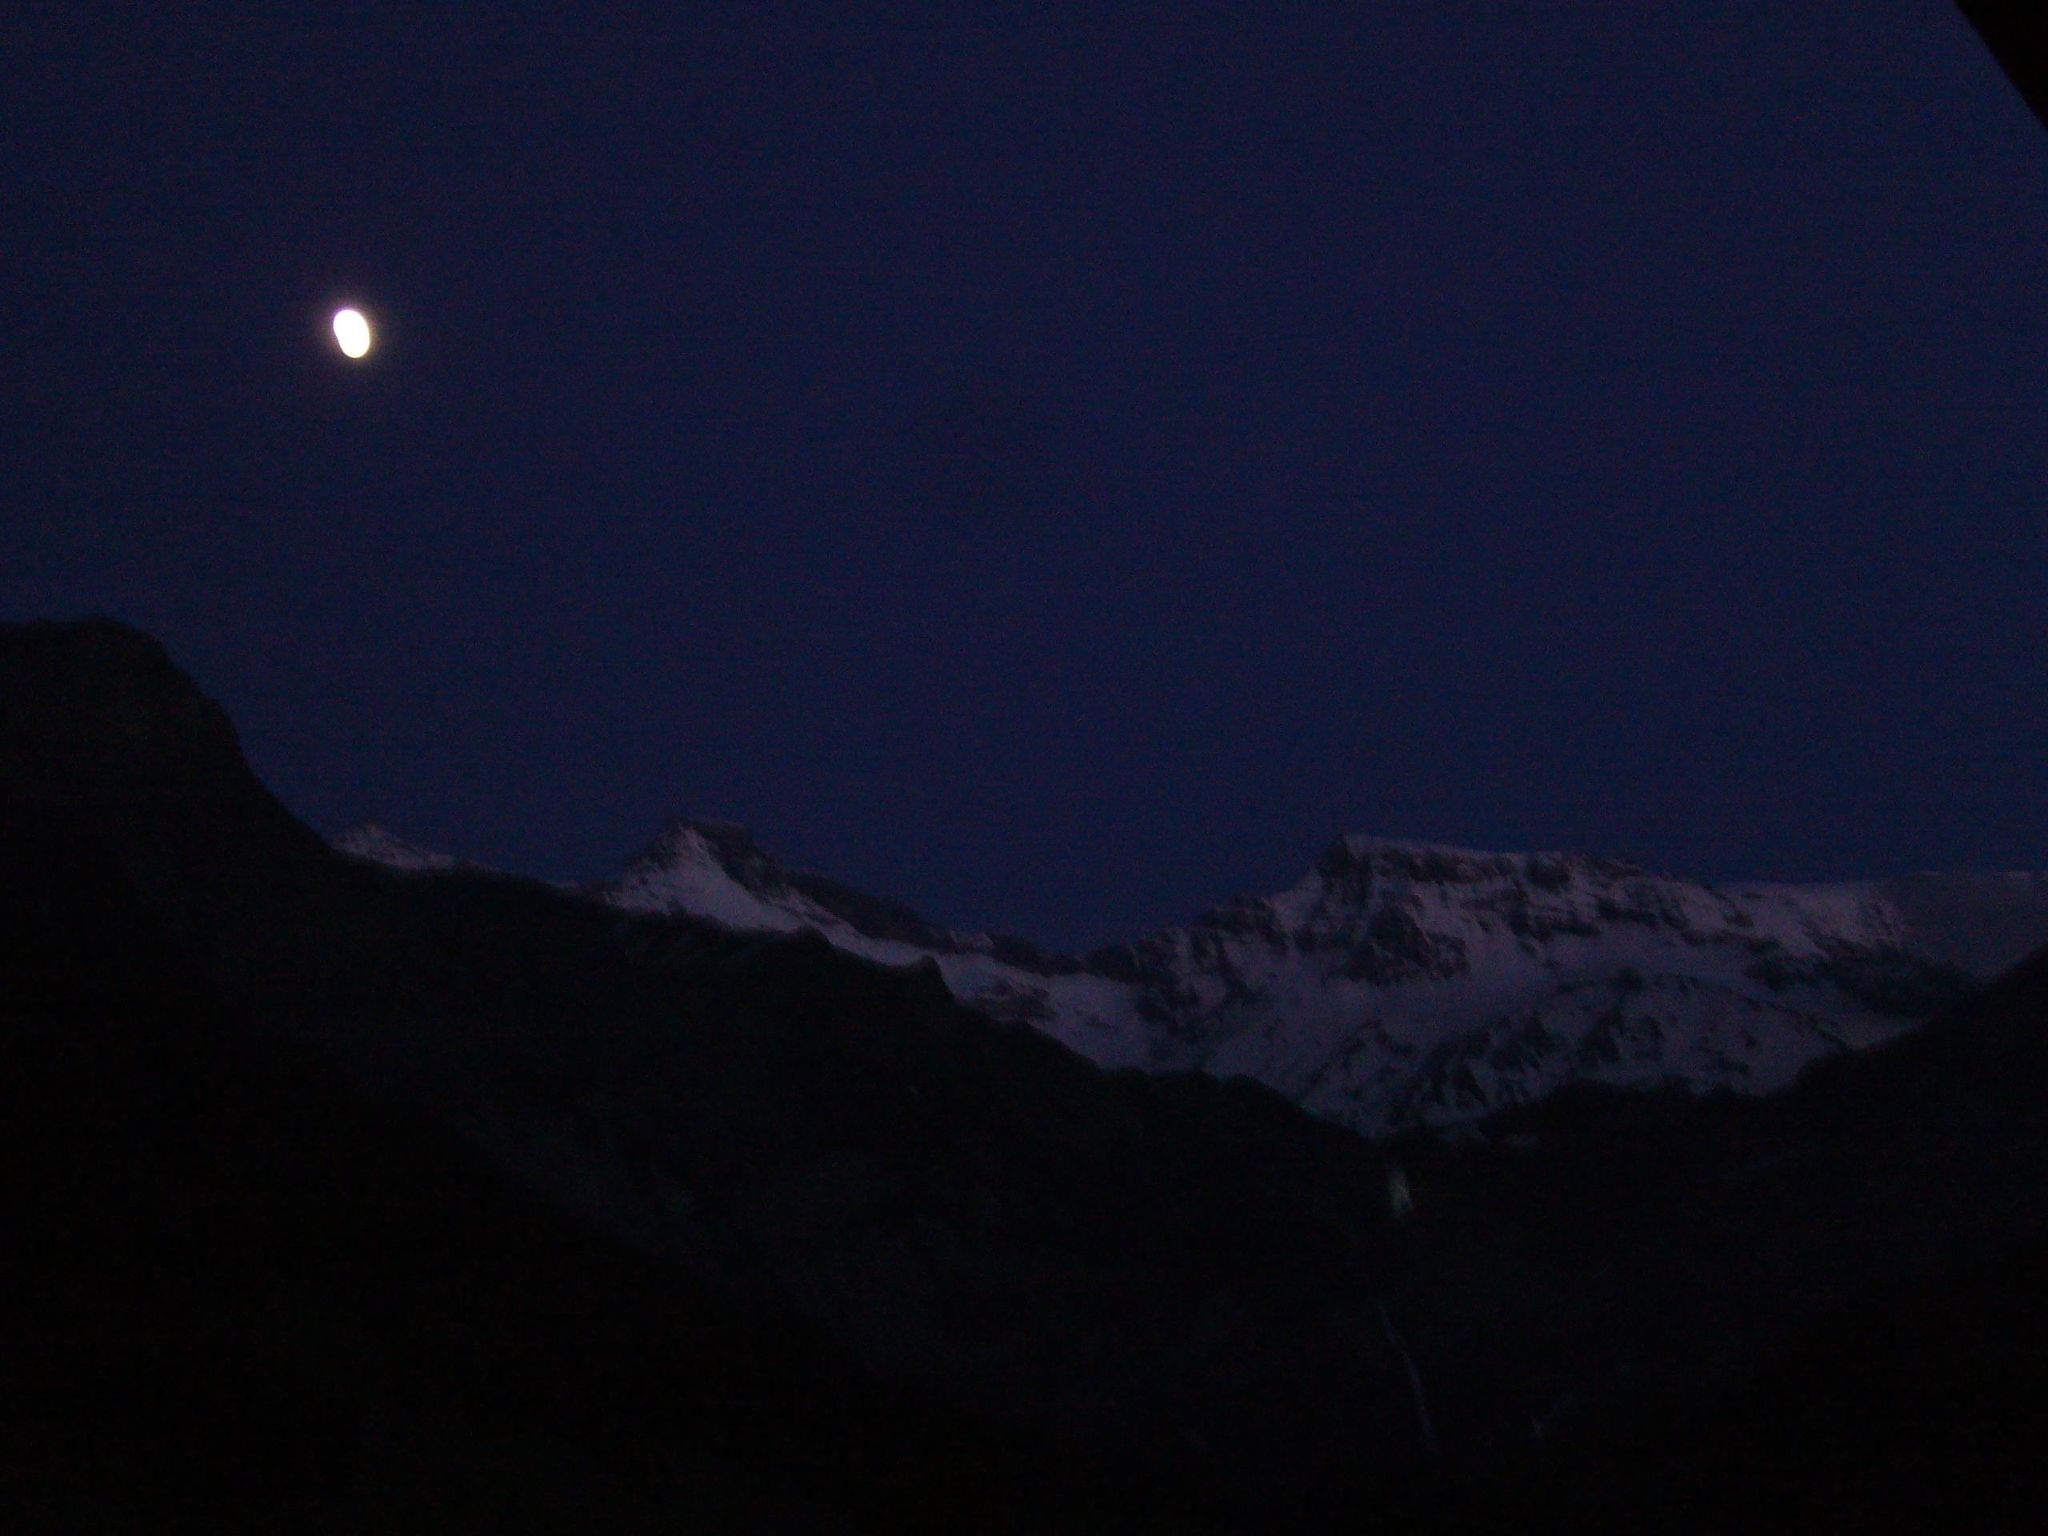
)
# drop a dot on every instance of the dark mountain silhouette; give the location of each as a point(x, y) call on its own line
point(244, 1298)
point(358, 1201)
point(1913, 1393)
point(2016, 32)
point(930, 1204)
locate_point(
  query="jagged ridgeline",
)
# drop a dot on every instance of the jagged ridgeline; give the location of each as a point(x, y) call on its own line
point(1400, 985)
point(344, 1194)
point(947, 1207)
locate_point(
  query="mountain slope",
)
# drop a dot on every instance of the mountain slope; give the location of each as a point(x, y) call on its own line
point(1116, 1268)
point(266, 1100)
point(244, 1297)
point(1400, 984)
point(1841, 1283)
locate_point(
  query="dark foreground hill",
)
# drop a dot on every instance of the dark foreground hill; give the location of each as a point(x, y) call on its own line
point(1854, 1272)
point(241, 1297)
point(367, 1203)
point(1111, 1279)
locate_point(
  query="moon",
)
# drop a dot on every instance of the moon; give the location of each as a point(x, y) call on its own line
point(352, 331)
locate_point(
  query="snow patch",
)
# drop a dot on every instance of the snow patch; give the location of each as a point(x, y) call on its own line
point(1401, 984)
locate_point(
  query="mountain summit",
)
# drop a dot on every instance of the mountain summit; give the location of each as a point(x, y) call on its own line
point(1401, 984)
point(353, 1185)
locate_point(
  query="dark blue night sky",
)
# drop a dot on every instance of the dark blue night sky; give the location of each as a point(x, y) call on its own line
point(1059, 472)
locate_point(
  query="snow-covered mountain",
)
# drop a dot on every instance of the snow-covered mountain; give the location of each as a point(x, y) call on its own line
point(1400, 984)
point(372, 842)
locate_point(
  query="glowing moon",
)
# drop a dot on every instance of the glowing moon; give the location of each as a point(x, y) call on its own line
point(352, 331)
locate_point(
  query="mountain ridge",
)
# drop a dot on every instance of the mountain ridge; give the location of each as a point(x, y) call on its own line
point(1403, 983)
point(970, 1213)
point(1191, 1278)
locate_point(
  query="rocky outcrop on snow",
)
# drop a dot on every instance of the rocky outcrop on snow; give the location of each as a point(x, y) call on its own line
point(1402, 984)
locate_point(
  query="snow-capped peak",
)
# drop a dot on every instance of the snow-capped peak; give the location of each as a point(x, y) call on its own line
point(374, 845)
point(1402, 983)
point(713, 870)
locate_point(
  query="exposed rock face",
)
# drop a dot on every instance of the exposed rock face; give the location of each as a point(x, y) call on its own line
point(1400, 984)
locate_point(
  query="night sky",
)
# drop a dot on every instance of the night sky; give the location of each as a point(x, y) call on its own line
point(1056, 470)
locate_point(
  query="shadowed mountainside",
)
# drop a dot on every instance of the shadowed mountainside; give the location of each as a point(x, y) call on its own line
point(243, 1296)
point(821, 1248)
point(2016, 32)
point(972, 1214)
